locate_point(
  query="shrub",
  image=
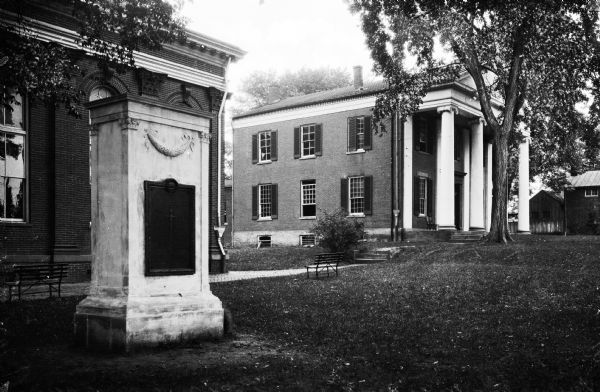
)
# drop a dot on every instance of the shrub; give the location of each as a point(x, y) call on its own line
point(337, 232)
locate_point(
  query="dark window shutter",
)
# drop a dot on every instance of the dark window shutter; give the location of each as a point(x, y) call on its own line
point(416, 194)
point(296, 142)
point(254, 148)
point(254, 202)
point(344, 194)
point(368, 134)
point(369, 195)
point(274, 203)
point(416, 126)
point(273, 145)
point(318, 140)
point(429, 197)
point(351, 133)
point(431, 136)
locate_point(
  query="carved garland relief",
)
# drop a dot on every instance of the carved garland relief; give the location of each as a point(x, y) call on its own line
point(176, 145)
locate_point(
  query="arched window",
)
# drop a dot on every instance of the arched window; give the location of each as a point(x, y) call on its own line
point(100, 92)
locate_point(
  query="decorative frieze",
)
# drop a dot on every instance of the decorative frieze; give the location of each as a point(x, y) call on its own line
point(149, 82)
point(129, 123)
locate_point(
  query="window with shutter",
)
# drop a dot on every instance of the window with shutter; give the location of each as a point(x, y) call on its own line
point(356, 193)
point(309, 141)
point(309, 199)
point(266, 201)
point(264, 147)
point(359, 134)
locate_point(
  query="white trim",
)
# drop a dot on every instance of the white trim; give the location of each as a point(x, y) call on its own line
point(313, 110)
point(585, 193)
point(67, 38)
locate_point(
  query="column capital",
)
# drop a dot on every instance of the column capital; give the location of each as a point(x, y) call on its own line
point(129, 123)
point(477, 121)
point(526, 134)
point(447, 108)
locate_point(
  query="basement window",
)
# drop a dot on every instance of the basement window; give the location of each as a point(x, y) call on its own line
point(307, 240)
point(264, 241)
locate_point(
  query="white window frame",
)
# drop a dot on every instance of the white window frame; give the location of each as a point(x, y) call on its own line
point(17, 128)
point(422, 196)
point(266, 136)
point(305, 186)
point(591, 192)
point(360, 134)
point(262, 215)
point(308, 130)
point(351, 208)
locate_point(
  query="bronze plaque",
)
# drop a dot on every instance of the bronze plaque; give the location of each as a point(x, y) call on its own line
point(169, 223)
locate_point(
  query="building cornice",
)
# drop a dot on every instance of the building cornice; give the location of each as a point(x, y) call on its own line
point(48, 32)
point(317, 109)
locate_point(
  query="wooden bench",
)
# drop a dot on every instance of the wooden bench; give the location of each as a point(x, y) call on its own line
point(26, 278)
point(325, 262)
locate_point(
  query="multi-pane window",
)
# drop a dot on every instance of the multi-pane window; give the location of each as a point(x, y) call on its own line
point(308, 140)
point(422, 196)
point(423, 140)
point(309, 199)
point(360, 133)
point(357, 195)
point(12, 163)
point(265, 201)
point(591, 192)
point(264, 140)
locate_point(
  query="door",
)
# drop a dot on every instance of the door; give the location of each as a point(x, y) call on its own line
point(457, 206)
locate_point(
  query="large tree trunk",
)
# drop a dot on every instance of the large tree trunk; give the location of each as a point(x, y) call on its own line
point(499, 225)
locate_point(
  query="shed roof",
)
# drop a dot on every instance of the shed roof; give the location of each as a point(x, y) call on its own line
point(553, 195)
point(590, 178)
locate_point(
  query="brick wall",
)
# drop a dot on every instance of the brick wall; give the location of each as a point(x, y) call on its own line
point(59, 212)
point(327, 170)
point(583, 213)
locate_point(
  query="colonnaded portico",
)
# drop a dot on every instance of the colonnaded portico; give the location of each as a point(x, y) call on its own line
point(462, 175)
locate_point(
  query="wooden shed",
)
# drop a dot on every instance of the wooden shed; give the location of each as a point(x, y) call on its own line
point(546, 211)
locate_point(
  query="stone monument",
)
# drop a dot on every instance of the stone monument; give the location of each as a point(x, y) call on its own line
point(150, 226)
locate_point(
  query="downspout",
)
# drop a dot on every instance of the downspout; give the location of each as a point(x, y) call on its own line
point(221, 132)
point(220, 146)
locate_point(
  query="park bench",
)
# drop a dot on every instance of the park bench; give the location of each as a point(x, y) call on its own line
point(27, 279)
point(325, 262)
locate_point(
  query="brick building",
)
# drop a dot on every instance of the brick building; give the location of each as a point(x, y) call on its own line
point(582, 203)
point(319, 151)
point(45, 176)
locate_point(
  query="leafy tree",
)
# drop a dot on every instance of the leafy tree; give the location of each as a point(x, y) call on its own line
point(541, 55)
point(112, 30)
point(336, 232)
point(264, 87)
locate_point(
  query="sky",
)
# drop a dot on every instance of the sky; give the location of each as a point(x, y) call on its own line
point(283, 34)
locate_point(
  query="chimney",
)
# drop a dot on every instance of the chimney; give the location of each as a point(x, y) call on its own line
point(358, 81)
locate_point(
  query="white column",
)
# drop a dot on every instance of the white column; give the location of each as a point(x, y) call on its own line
point(444, 195)
point(488, 188)
point(523, 226)
point(407, 171)
point(476, 175)
point(466, 194)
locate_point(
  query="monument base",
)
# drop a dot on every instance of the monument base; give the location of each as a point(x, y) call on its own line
point(121, 324)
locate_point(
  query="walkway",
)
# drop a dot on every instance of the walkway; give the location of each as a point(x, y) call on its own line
point(78, 289)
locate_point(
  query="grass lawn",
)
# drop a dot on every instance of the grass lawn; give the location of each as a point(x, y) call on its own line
point(276, 258)
point(520, 317)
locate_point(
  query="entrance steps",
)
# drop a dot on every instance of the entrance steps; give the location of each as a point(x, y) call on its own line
point(371, 256)
point(467, 236)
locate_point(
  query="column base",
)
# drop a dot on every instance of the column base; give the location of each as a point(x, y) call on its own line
point(523, 232)
point(121, 324)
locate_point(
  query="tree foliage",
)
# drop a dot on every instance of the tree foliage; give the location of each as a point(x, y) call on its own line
point(111, 30)
point(541, 54)
point(264, 87)
point(337, 232)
